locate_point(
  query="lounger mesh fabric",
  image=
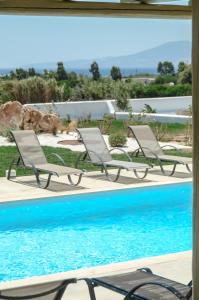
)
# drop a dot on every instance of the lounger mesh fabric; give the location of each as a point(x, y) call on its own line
point(43, 291)
point(31, 151)
point(128, 165)
point(60, 170)
point(146, 139)
point(29, 147)
point(124, 283)
point(94, 142)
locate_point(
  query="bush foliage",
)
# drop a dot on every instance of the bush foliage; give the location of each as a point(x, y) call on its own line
point(27, 86)
point(31, 90)
point(117, 139)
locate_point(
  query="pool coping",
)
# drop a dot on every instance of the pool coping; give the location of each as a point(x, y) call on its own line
point(93, 190)
point(114, 268)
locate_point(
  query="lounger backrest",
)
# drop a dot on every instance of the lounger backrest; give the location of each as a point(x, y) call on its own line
point(146, 140)
point(44, 291)
point(95, 144)
point(29, 147)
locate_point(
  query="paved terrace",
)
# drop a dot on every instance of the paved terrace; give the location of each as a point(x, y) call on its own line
point(174, 266)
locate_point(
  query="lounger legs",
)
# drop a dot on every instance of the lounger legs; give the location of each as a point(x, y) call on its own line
point(62, 290)
point(138, 175)
point(75, 183)
point(16, 162)
point(112, 178)
point(188, 168)
point(167, 173)
point(47, 182)
point(49, 178)
point(91, 285)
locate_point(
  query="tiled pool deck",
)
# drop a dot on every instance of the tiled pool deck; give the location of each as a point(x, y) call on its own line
point(175, 266)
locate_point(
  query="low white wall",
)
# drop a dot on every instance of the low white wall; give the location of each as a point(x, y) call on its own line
point(97, 109)
point(162, 118)
point(77, 110)
point(162, 105)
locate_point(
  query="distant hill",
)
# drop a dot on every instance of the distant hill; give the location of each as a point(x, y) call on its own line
point(142, 62)
point(172, 51)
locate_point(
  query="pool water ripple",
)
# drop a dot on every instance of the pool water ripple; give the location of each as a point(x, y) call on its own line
point(46, 236)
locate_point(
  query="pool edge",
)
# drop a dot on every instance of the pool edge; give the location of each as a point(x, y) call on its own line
point(114, 268)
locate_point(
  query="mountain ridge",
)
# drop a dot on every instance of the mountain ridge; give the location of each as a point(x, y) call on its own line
point(149, 58)
point(172, 51)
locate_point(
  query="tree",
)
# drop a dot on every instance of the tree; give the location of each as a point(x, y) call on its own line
point(31, 72)
point(94, 70)
point(49, 74)
point(116, 73)
point(159, 68)
point(61, 72)
point(181, 66)
point(166, 68)
point(186, 75)
point(19, 74)
point(121, 97)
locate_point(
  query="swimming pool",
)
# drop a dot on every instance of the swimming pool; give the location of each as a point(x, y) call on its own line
point(51, 235)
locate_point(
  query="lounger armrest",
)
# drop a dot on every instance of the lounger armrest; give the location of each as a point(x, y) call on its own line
point(58, 157)
point(170, 288)
point(171, 146)
point(190, 283)
point(122, 150)
point(145, 269)
point(137, 151)
point(59, 290)
point(98, 157)
point(148, 149)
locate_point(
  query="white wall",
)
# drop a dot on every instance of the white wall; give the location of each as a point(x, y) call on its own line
point(97, 109)
point(162, 105)
point(77, 110)
point(162, 118)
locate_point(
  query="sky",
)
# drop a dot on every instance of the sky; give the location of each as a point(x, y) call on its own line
point(27, 40)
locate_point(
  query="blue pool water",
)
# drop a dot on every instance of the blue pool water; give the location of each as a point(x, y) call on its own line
point(52, 235)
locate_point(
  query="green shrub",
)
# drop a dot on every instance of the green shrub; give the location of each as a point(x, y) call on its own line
point(33, 90)
point(121, 97)
point(117, 139)
point(106, 123)
point(148, 109)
